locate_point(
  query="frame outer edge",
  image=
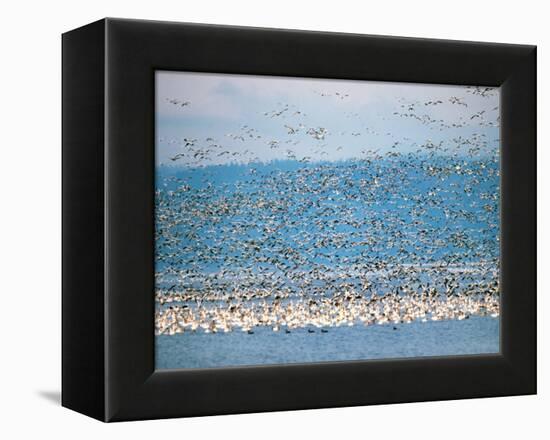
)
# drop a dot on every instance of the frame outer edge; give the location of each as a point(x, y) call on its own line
point(106, 221)
point(83, 344)
point(519, 199)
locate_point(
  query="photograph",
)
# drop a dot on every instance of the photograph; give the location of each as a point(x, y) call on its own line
point(296, 220)
point(304, 220)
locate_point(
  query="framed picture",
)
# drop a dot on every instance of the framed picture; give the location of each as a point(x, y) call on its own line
point(261, 220)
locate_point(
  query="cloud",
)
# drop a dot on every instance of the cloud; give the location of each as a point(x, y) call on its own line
point(207, 96)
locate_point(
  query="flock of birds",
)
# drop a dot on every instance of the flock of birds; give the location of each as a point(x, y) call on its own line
point(409, 234)
point(195, 152)
point(322, 314)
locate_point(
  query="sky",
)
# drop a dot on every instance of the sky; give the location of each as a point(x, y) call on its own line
point(207, 119)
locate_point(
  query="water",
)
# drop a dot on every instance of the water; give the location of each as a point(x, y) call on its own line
point(266, 222)
point(477, 335)
point(236, 240)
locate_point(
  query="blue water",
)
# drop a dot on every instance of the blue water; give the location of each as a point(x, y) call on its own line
point(269, 217)
point(203, 350)
point(313, 230)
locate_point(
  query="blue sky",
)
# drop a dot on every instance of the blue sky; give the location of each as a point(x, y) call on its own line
point(212, 119)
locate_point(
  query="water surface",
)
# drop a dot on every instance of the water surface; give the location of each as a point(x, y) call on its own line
point(477, 335)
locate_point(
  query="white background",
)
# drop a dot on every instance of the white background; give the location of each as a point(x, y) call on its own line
point(30, 249)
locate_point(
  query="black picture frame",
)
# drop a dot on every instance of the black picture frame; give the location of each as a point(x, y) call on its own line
point(108, 225)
